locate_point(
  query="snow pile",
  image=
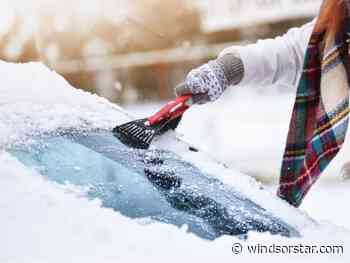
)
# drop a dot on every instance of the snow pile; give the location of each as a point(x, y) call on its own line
point(35, 100)
point(44, 222)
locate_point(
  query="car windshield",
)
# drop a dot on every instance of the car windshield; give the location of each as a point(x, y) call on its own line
point(152, 184)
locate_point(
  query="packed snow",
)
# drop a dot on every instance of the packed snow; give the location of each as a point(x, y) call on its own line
point(45, 222)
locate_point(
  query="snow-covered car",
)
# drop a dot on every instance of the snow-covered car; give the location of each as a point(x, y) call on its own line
point(65, 135)
point(153, 184)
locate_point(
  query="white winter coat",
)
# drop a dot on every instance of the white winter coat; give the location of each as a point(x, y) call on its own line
point(274, 61)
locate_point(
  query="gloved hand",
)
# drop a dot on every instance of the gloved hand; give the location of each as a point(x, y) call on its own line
point(208, 82)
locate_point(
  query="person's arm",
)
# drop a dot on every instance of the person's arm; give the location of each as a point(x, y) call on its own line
point(267, 62)
point(274, 61)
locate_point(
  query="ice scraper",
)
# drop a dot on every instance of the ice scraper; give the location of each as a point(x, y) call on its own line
point(140, 133)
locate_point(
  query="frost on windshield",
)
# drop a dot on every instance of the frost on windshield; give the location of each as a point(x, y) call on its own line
point(153, 184)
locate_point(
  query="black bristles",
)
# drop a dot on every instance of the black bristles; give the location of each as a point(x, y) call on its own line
point(138, 134)
point(133, 134)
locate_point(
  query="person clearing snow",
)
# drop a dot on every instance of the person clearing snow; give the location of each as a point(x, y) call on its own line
point(315, 58)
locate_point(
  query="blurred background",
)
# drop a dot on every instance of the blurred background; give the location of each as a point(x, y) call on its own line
point(137, 50)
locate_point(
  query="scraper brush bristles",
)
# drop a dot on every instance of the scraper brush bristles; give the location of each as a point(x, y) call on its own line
point(135, 134)
point(140, 133)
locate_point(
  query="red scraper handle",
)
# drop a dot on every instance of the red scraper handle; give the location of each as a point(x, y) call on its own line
point(172, 109)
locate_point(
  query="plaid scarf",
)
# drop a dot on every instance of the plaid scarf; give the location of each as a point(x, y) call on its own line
point(320, 115)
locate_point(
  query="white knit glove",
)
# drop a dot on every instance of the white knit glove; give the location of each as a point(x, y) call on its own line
point(209, 81)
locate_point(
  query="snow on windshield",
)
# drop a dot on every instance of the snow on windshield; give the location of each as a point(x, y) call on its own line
point(44, 222)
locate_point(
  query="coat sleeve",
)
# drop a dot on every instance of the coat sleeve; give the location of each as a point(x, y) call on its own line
point(274, 61)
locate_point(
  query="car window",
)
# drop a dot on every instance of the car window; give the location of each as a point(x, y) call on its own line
point(151, 184)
